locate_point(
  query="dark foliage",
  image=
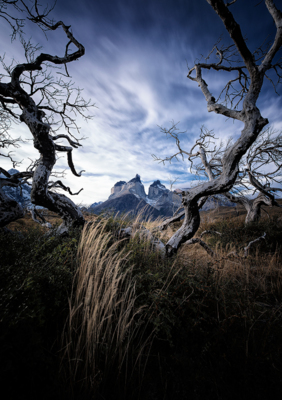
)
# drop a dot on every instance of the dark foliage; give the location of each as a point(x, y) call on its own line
point(216, 336)
point(36, 276)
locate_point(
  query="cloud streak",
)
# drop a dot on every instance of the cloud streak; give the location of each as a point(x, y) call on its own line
point(135, 71)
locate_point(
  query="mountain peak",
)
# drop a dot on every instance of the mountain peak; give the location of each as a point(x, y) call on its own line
point(13, 171)
point(158, 184)
point(156, 189)
point(120, 183)
point(136, 179)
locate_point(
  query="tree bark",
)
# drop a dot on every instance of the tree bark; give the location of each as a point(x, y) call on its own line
point(40, 195)
point(254, 212)
point(189, 227)
point(253, 207)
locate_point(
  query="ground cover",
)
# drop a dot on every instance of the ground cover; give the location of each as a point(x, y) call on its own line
point(90, 316)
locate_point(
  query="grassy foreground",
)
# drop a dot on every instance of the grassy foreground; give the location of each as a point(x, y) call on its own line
point(94, 317)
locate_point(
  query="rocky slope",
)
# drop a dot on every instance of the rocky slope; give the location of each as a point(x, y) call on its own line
point(134, 186)
point(168, 203)
point(217, 201)
point(127, 203)
point(20, 194)
point(156, 190)
point(95, 204)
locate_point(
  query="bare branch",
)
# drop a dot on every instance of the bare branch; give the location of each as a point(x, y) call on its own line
point(203, 244)
point(208, 232)
point(235, 33)
point(232, 253)
point(167, 222)
point(231, 2)
point(247, 248)
point(69, 155)
point(59, 184)
point(71, 142)
point(39, 218)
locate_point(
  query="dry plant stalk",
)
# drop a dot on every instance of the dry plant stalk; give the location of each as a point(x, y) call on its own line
point(100, 336)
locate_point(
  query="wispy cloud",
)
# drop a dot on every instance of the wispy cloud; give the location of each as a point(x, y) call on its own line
point(135, 70)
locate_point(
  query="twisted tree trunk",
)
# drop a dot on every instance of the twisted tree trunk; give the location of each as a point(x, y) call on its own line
point(253, 207)
point(249, 115)
point(40, 195)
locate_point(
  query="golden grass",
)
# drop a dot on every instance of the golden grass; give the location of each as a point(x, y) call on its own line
point(259, 272)
point(100, 336)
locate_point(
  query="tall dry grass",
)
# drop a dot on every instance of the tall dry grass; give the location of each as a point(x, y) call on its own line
point(258, 272)
point(102, 338)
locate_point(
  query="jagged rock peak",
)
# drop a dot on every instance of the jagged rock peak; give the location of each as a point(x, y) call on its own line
point(158, 183)
point(156, 189)
point(120, 183)
point(133, 186)
point(136, 179)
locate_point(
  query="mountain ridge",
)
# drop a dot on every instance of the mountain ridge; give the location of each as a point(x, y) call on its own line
point(160, 201)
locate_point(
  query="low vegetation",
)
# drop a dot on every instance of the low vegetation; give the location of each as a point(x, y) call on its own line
point(92, 316)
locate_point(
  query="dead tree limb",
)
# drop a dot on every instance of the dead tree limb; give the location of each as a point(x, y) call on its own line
point(251, 73)
point(208, 232)
point(202, 243)
point(247, 248)
point(39, 218)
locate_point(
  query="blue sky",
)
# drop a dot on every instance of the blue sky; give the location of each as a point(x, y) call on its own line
point(134, 70)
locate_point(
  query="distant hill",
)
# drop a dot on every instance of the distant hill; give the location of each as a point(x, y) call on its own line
point(128, 203)
point(95, 205)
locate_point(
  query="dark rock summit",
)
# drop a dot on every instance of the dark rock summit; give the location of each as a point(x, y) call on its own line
point(156, 190)
point(157, 183)
point(134, 186)
point(136, 179)
point(120, 183)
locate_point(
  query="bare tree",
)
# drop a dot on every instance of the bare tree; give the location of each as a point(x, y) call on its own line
point(259, 168)
point(260, 173)
point(204, 159)
point(240, 91)
point(45, 103)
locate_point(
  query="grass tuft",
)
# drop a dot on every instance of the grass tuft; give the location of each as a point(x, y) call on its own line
point(102, 334)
